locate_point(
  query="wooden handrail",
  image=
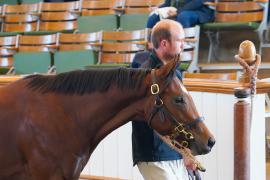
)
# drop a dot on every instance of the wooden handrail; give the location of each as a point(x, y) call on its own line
point(198, 85)
point(192, 40)
point(89, 177)
point(262, 1)
point(216, 76)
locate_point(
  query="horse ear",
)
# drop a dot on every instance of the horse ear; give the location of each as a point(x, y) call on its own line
point(165, 70)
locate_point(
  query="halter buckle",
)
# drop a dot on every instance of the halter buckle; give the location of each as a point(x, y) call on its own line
point(154, 89)
point(184, 144)
point(159, 102)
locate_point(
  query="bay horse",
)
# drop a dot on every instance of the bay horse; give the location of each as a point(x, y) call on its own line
point(51, 124)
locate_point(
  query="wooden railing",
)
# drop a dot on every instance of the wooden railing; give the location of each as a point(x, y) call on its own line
point(199, 85)
point(89, 177)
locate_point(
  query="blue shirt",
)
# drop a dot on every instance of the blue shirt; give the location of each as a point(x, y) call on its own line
point(146, 145)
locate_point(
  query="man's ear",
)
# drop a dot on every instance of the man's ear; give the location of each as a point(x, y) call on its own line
point(165, 70)
point(163, 42)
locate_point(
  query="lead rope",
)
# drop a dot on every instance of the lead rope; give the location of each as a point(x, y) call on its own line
point(180, 148)
point(253, 72)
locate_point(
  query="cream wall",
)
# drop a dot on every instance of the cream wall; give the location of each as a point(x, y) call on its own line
point(113, 157)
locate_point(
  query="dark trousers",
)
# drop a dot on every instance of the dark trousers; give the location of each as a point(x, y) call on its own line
point(186, 18)
point(59, 0)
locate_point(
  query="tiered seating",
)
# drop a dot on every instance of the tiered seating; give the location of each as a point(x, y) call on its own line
point(20, 23)
point(250, 15)
point(20, 18)
point(98, 15)
point(8, 45)
point(76, 51)
point(140, 6)
point(88, 24)
point(59, 16)
point(189, 58)
point(35, 53)
point(135, 13)
point(74, 42)
point(37, 43)
point(108, 15)
point(121, 46)
point(65, 52)
point(2, 2)
point(30, 1)
point(98, 7)
point(117, 15)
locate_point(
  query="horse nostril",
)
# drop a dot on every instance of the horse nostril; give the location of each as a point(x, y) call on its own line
point(211, 142)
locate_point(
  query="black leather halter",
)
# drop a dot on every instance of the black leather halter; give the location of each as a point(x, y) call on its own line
point(159, 106)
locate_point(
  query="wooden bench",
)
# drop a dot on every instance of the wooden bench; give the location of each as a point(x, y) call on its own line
point(236, 16)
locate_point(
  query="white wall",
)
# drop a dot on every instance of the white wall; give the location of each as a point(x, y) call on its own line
point(113, 156)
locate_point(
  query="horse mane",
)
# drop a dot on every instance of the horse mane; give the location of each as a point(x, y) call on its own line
point(87, 81)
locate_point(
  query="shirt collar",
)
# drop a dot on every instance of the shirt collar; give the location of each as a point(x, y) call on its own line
point(155, 61)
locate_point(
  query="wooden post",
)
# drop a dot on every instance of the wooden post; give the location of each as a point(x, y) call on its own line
point(247, 53)
point(242, 121)
point(250, 61)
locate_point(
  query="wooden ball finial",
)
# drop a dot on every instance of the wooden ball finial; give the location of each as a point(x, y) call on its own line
point(247, 51)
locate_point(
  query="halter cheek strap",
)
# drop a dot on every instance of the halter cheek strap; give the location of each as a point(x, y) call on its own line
point(194, 123)
point(163, 111)
point(179, 129)
point(158, 105)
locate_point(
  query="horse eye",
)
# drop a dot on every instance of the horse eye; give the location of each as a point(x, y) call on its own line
point(179, 100)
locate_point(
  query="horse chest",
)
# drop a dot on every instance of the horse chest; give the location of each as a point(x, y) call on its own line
point(73, 167)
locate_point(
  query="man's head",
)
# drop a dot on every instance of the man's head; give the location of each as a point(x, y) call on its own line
point(168, 39)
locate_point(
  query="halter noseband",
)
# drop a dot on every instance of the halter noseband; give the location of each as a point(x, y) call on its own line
point(159, 107)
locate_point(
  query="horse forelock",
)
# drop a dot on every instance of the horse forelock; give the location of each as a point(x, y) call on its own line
point(87, 81)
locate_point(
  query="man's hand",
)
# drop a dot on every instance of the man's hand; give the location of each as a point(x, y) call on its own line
point(166, 12)
point(189, 163)
point(172, 12)
point(191, 168)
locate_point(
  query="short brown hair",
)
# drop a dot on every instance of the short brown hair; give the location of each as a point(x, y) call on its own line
point(159, 34)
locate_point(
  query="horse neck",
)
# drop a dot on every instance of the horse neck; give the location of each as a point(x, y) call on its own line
point(98, 114)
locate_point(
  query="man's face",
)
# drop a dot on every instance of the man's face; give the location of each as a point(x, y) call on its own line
point(176, 45)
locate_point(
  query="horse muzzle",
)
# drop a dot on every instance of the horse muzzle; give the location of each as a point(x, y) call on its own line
point(198, 148)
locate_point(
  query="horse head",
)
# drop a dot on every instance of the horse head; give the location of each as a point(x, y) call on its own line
point(171, 111)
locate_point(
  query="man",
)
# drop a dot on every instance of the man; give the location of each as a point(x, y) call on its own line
point(187, 12)
point(155, 159)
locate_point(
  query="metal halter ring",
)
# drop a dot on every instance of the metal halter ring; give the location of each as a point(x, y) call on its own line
point(189, 135)
point(179, 128)
point(184, 144)
point(159, 102)
point(154, 89)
